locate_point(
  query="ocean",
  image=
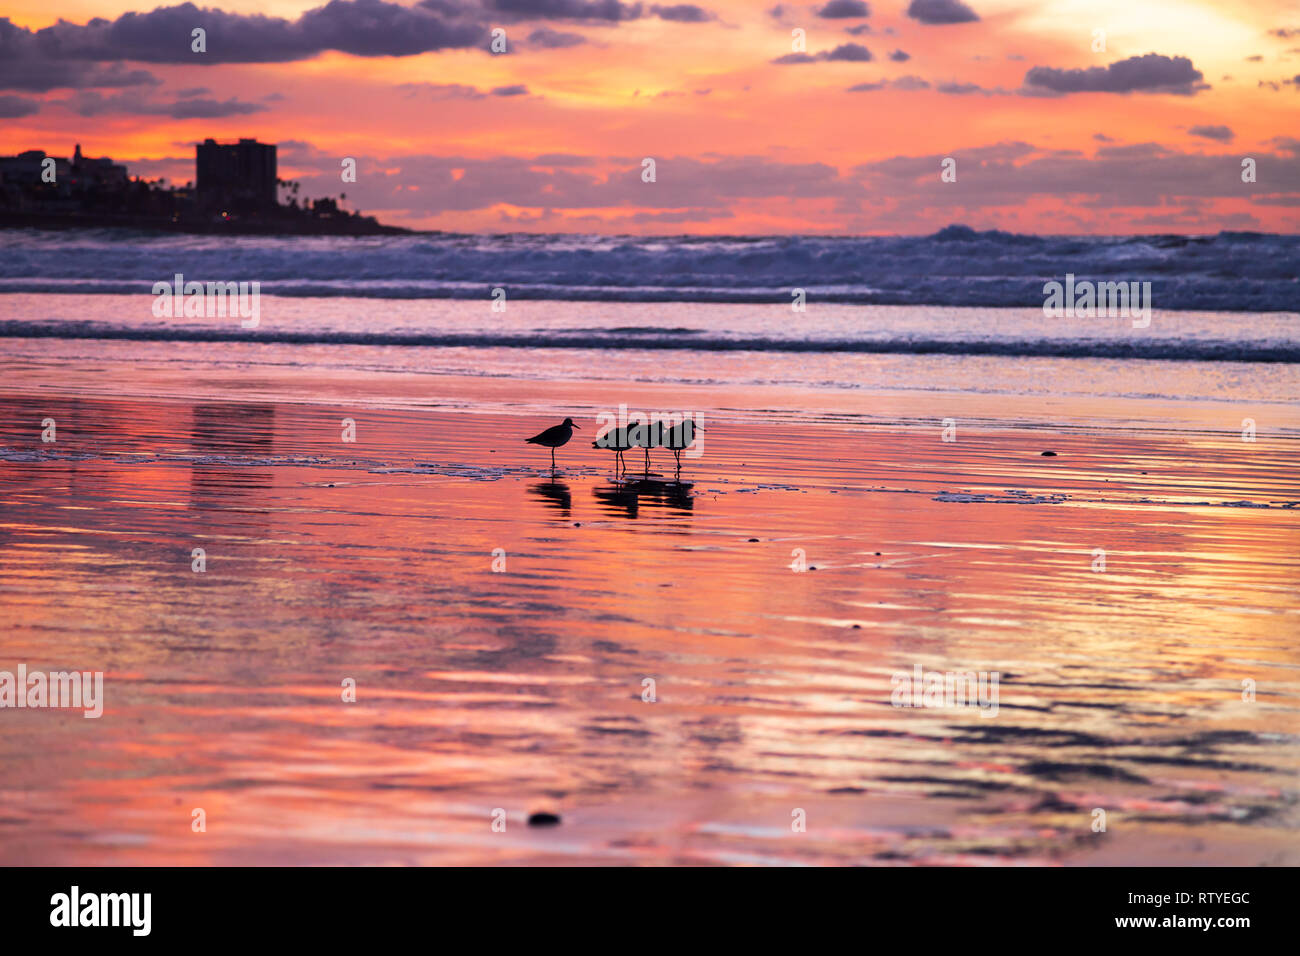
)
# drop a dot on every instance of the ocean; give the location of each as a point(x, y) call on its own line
point(1231, 271)
point(959, 312)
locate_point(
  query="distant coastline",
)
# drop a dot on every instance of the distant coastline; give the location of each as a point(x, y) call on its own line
point(301, 226)
point(235, 192)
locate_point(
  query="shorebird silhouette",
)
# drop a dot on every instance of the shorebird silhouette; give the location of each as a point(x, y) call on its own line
point(618, 441)
point(679, 438)
point(646, 435)
point(554, 437)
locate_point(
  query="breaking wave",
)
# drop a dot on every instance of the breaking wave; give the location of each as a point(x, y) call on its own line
point(957, 266)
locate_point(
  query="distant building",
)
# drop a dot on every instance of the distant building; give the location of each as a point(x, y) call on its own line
point(82, 173)
point(101, 173)
point(236, 189)
point(238, 176)
point(26, 168)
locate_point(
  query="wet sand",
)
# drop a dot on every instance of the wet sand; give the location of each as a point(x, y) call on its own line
point(522, 689)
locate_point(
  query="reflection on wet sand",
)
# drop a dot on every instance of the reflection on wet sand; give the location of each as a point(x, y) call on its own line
point(555, 494)
point(230, 431)
point(241, 428)
point(624, 498)
point(524, 689)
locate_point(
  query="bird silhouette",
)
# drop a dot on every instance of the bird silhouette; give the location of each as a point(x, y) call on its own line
point(618, 441)
point(554, 437)
point(679, 438)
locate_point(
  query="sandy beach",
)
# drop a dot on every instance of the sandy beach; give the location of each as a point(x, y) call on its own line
point(771, 596)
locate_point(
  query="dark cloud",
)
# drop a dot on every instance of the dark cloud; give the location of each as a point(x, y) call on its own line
point(555, 39)
point(898, 56)
point(517, 89)
point(1285, 33)
point(941, 11)
point(594, 11)
point(26, 63)
point(1152, 73)
point(563, 160)
point(440, 91)
point(1276, 87)
point(851, 52)
point(845, 52)
point(1218, 133)
point(61, 55)
point(909, 83)
point(859, 30)
point(1102, 138)
point(610, 11)
point(210, 108)
point(96, 104)
point(378, 28)
point(16, 107)
point(683, 13)
point(912, 83)
point(844, 9)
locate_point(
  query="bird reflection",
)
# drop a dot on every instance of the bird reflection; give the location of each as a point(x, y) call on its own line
point(556, 495)
point(626, 498)
point(236, 428)
point(617, 500)
point(231, 433)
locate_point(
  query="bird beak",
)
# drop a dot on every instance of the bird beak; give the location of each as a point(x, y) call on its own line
point(576, 425)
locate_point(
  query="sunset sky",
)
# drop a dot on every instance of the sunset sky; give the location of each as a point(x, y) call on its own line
point(749, 135)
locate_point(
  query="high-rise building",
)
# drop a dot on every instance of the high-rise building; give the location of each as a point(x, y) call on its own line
point(238, 176)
